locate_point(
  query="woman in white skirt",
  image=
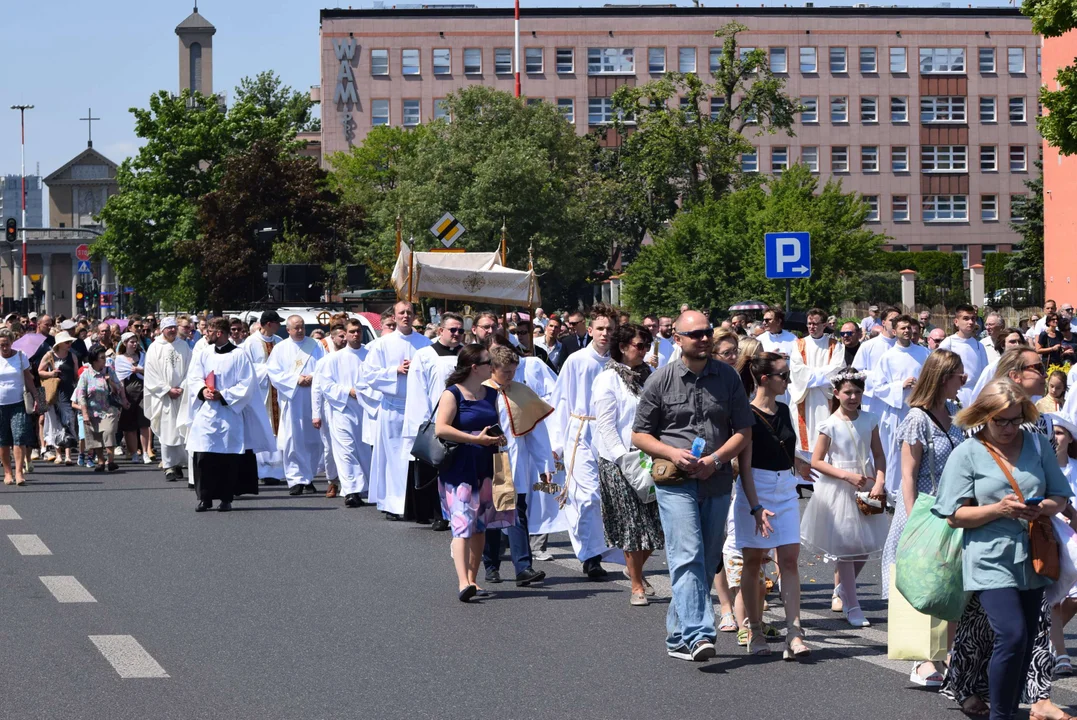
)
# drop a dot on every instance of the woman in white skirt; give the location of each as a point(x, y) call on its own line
point(769, 463)
point(849, 459)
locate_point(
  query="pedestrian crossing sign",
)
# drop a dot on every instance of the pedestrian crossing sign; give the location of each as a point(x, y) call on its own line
point(448, 229)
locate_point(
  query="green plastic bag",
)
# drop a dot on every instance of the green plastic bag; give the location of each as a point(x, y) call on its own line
point(929, 571)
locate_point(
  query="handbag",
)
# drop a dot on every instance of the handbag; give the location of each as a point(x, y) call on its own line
point(864, 502)
point(636, 465)
point(28, 393)
point(431, 449)
point(665, 472)
point(1042, 541)
point(51, 385)
point(503, 486)
point(912, 635)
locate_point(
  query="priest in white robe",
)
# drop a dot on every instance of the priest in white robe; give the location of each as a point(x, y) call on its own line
point(897, 372)
point(338, 375)
point(258, 347)
point(776, 339)
point(813, 360)
point(430, 367)
point(965, 343)
point(868, 356)
point(291, 373)
point(165, 402)
point(385, 372)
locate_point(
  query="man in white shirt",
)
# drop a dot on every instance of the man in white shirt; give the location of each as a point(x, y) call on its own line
point(972, 352)
point(993, 327)
point(775, 337)
point(867, 357)
point(1041, 325)
point(870, 321)
point(661, 349)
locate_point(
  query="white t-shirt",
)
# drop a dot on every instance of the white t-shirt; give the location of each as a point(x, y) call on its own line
point(11, 378)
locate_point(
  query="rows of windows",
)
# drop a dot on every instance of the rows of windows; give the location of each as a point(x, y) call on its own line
point(933, 159)
point(411, 110)
point(933, 109)
point(622, 61)
point(942, 208)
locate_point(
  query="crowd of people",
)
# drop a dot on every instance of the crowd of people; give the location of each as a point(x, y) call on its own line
point(670, 434)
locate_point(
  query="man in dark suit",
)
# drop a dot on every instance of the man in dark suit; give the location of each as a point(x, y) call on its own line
point(577, 337)
point(525, 337)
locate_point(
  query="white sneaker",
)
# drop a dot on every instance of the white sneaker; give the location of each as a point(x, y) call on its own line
point(542, 555)
point(136, 458)
point(117, 451)
point(147, 460)
point(855, 617)
point(35, 454)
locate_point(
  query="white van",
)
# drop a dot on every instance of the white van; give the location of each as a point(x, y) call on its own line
point(314, 318)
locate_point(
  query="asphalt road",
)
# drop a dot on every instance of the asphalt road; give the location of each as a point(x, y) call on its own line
point(300, 608)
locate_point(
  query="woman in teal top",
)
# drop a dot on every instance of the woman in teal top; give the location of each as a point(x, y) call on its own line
point(975, 494)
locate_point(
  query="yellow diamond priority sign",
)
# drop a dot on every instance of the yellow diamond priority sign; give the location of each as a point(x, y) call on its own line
point(448, 229)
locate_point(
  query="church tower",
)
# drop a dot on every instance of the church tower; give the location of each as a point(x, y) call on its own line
point(196, 53)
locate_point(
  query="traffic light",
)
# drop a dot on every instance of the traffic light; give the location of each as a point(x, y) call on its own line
point(80, 293)
point(11, 230)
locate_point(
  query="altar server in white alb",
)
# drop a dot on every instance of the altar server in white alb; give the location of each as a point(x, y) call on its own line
point(226, 424)
point(777, 339)
point(338, 375)
point(165, 401)
point(336, 340)
point(258, 347)
point(572, 430)
point(896, 376)
point(964, 343)
point(814, 360)
point(431, 366)
point(291, 373)
point(385, 371)
point(867, 357)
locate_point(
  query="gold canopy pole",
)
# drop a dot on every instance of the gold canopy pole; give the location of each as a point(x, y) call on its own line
point(398, 243)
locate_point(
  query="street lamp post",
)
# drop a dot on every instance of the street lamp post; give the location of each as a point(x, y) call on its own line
point(22, 172)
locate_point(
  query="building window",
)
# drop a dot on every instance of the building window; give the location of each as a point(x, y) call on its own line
point(809, 155)
point(1018, 158)
point(715, 55)
point(567, 106)
point(988, 249)
point(1015, 60)
point(779, 159)
point(1017, 200)
point(656, 60)
point(1017, 109)
point(945, 208)
point(942, 109)
point(987, 110)
point(899, 159)
point(942, 60)
point(379, 112)
point(379, 62)
point(533, 101)
point(839, 62)
point(503, 61)
point(839, 159)
point(839, 109)
point(988, 158)
point(472, 61)
point(987, 60)
point(869, 159)
point(869, 109)
point(566, 61)
point(810, 112)
point(749, 161)
point(442, 64)
point(963, 252)
point(779, 63)
point(411, 113)
point(809, 61)
point(873, 207)
point(611, 61)
point(900, 208)
point(686, 60)
point(899, 109)
point(869, 61)
point(717, 105)
point(409, 62)
point(599, 111)
point(989, 208)
point(899, 61)
point(533, 60)
point(441, 110)
point(689, 112)
point(743, 53)
point(944, 158)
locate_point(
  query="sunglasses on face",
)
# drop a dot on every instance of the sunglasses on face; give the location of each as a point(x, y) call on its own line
point(521, 333)
point(781, 376)
point(641, 346)
point(486, 327)
point(454, 331)
point(1038, 368)
point(572, 323)
point(701, 334)
point(482, 362)
point(847, 334)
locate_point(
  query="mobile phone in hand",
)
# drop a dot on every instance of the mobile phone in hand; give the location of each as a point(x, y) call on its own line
point(1033, 500)
point(495, 430)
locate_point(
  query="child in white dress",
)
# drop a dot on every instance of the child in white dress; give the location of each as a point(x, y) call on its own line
point(849, 459)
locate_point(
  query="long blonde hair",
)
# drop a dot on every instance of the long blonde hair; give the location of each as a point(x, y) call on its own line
point(747, 349)
point(997, 396)
point(939, 365)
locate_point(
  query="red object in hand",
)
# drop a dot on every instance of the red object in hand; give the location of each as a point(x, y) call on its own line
point(211, 382)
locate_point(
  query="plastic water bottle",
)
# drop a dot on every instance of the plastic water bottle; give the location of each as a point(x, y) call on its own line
point(698, 446)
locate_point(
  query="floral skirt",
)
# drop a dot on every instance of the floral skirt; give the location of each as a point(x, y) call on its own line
point(470, 510)
point(629, 523)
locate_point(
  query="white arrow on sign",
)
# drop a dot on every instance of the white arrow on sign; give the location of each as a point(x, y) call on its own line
point(800, 269)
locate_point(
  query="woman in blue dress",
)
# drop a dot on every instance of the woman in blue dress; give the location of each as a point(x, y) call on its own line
point(467, 414)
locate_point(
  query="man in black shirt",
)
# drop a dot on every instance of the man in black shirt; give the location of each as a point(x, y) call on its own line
point(850, 338)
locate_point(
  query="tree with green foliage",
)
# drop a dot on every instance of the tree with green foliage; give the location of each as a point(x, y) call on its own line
point(1058, 124)
point(712, 255)
point(265, 90)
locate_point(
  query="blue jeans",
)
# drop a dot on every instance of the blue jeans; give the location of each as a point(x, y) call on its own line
point(519, 542)
point(694, 530)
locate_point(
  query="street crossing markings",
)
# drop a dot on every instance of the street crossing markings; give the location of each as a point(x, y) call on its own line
point(127, 657)
point(66, 589)
point(8, 513)
point(29, 545)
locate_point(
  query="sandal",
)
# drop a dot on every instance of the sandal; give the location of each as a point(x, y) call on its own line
point(795, 649)
point(933, 680)
point(728, 623)
point(1063, 666)
point(757, 644)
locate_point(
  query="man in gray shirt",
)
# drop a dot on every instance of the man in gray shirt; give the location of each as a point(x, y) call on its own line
point(695, 396)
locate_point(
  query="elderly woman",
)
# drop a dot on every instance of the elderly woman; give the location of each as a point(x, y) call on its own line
point(130, 367)
point(59, 367)
point(97, 393)
point(16, 432)
point(993, 487)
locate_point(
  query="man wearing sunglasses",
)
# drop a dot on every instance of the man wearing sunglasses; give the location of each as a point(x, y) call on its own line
point(965, 343)
point(577, 337)
point(850, 340)
point(898, 370)
point(871, 350)
point(430, 368)
point(776, 339)
point(524, 333)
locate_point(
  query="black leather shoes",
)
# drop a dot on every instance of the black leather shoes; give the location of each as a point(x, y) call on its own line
point(204, 505)
point(440, 525)
point(297, 490)
point(528, 576)
point(493, 576)
point(592, 567)
point(269, 482)
point(352, 500)
point(225, 507)
point(310, 488)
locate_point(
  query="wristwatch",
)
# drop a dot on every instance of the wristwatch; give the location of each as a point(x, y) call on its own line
point(717, 460)
point(756, 509)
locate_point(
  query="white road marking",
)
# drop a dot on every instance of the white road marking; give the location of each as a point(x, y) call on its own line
point(66, 589)
point(29, 545)
point(127, 657)
point(8, 513)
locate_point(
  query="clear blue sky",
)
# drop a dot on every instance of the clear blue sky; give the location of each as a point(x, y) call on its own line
point(64, 56)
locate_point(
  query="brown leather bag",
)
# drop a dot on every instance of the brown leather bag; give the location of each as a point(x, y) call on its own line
point(664, 472)
point(1042, 541)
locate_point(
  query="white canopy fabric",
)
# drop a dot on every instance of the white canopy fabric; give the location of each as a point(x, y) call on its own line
point(473, 277)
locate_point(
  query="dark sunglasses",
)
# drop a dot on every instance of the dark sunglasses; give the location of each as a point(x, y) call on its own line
point(1037, 368)
point(454, 331)
point(781, 375)
point(482, 362)
point(521, 333)
point(640, 345)
point(572, 323)
point(696, 334)
point(847, 334)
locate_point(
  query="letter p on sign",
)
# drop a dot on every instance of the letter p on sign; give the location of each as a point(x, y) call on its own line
point(788, 255)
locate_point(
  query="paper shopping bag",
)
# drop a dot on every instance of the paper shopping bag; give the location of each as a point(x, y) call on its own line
point(504, 489)
point(911, 635)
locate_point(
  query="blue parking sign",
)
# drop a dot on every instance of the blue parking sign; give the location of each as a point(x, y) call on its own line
point(788, 255)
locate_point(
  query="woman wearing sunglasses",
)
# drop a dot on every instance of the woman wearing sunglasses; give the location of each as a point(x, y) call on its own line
point(769, 463)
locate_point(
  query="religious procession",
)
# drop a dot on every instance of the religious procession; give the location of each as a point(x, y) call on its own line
point(948, 458)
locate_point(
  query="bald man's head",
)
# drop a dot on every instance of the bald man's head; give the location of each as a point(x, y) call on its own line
point(296, 329)
point(694, 335)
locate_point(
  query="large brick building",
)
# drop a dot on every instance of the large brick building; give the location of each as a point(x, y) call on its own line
point(928, 112)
